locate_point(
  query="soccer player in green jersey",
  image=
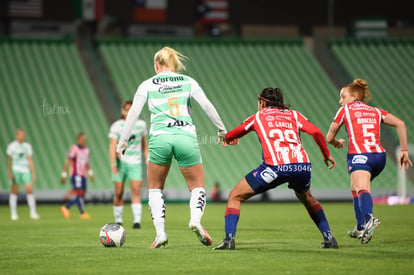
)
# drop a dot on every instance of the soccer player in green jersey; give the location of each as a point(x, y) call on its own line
point(129, 167)
point(172, 135)
point(21, 172)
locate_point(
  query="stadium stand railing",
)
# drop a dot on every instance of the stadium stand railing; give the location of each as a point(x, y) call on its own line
point(45, 90)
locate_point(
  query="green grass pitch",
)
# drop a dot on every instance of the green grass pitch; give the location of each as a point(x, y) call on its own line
point(272, 238)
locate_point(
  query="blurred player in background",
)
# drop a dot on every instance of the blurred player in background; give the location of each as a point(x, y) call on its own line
point(129, 167)
point(285, 160)
point(21, 171)
point(78, 159)
point(366, 157)
point(172, 134)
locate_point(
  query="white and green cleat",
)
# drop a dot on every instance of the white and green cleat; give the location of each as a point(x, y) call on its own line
point(201, 233)
point(370, 227)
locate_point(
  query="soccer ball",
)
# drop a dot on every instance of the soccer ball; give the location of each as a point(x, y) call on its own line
point(112, 234)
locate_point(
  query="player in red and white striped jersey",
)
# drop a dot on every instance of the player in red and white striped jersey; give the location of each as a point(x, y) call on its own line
point(362, 124)
point(285, 160)
point(78, 159)
point(366, 156)
point(278, 131)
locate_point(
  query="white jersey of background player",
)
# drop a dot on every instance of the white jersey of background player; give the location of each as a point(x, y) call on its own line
point(129, 167)
point(21, 172)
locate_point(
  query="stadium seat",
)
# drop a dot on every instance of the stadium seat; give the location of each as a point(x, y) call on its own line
point(46, 91)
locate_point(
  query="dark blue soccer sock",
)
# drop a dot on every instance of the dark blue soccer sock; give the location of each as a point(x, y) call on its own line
point(365, 204)
point(231, 218)
point(71, 203)
point(358, 216)
point(318, 216)
point(80, 202)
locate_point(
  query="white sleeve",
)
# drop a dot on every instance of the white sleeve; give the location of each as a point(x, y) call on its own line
point(113, 131)
point(29, 150)
point(133, 114)
point(209, 109)
point(145, 128)
point(10, 150)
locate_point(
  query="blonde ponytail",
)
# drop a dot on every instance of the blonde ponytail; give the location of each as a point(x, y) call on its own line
point(170, 58)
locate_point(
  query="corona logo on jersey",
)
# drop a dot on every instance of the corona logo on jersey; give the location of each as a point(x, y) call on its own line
point(160, 80)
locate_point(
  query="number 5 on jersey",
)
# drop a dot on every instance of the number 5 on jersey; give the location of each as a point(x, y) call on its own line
point(369, 137)
point(174, 106)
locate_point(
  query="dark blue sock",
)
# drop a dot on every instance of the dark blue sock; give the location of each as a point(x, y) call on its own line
point(365, 204)
point(318, 216)
point(79, 202)
point(358, 216)
point(231, 218)
point(71, 203)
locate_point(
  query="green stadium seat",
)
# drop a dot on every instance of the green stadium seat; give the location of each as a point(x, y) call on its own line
point(45, 90)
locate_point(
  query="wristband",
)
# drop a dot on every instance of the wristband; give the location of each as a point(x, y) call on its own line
point(90, 172)
point(222, 133)
point(64, 174)
point(404, 150)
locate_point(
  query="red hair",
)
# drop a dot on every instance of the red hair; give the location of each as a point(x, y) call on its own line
point(359, 88)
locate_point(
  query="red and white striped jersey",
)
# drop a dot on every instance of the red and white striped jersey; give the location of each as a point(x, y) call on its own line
point(278, 131)
point(362, 124)
point(80, 160)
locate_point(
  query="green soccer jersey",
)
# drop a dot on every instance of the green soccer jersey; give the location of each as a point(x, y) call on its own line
point(20, 153)
point(169, 100)
point(133, 153)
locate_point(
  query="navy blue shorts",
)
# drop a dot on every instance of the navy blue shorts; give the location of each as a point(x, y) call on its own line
point(78, 182)
point(267, 177)
point(371, 162)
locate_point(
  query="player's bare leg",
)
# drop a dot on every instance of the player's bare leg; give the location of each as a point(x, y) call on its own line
point(118, 202)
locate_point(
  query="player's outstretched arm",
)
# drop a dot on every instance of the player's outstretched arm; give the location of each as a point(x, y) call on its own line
point(65, 169)
point(394, 121)
point(10, 164)
point(144, 148)
point(210, 111)
point(32, 169)
point(232, 136)
point(330, 162)
point(318, 137)
point(131, 119)
point(112, 154)
point(332, 132)
point(233, 141)
point(90, 172)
